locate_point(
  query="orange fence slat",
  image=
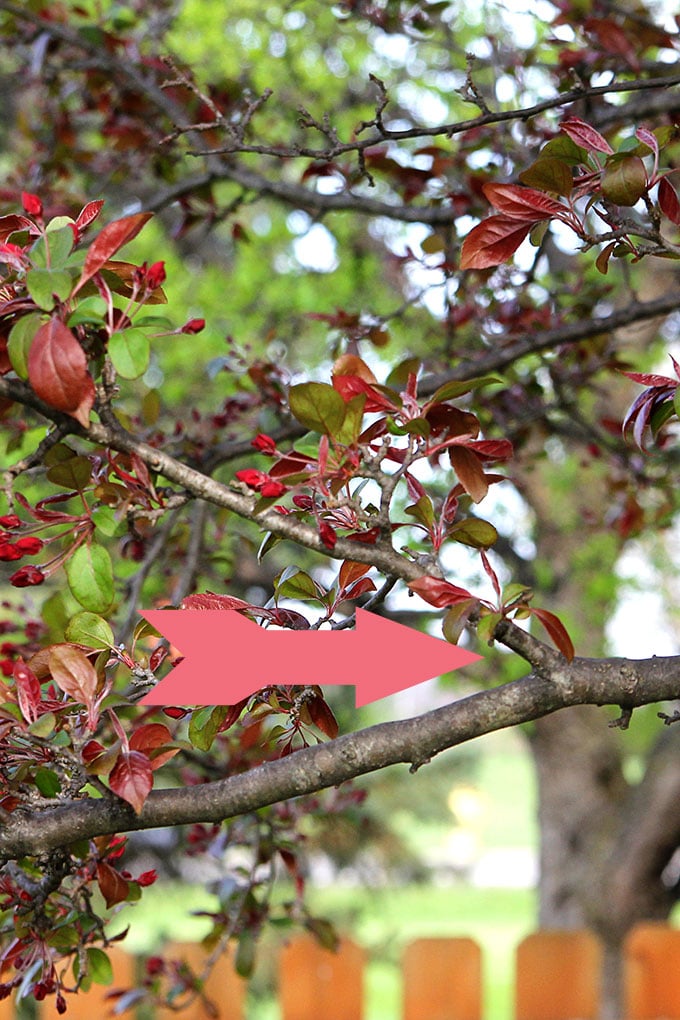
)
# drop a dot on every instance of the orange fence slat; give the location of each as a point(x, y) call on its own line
point(93, 1004)
point(442, 979)
point(652, 973)
point(315, 983)
point(224, 988)
point(558, 976)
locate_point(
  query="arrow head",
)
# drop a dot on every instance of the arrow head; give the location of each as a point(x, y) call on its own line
point(391, 657)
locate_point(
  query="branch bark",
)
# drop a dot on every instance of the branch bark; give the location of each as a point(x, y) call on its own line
point(629, 683)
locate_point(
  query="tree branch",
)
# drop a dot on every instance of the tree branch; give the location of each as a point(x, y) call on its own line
point(415, 741)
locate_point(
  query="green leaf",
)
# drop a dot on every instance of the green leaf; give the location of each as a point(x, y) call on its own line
point(43, 726)
point(99, 966)
point(451, 390)
point(624, 180)
point(90, 309)
point(423, 511)
point(549, 174)
point(74, 473)
point(317, 406)
point(474, 532)
point(44, 285)
point(106, 522)
point(47, 782)
point(350, 429)
point(129, 351)
point(563, 148)
point(60, 242)
point(244, 961)
point(516, 592)
point(91, 630)
point(487, 625)
point(20, 340)
point(52, 250)
point(205, 724)
point(298, 585)
point(90, 577)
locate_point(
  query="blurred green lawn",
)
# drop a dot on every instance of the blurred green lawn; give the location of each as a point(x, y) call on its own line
point(381, 920)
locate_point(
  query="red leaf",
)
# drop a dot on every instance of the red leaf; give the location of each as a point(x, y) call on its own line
point(491, 449)
point(88, 214)
point(11, 224)
point(668, 201)
point(73, 673)
point(28, 691)
point(585, 135)
point(322, 717)
point(209, 600)
point(359, 588)
point(132, 779)
point(556, 630)
point(522, 203)
point(110, 240)
point(470, 472)
point(493, 241)
point(351, 571)
point(648, 138)
point(650, 379)
point(438, 592)
point(112, 885)
point(148, 738)
point(57, 371)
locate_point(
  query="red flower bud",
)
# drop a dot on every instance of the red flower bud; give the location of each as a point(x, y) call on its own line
point(155, 275)
point(155, 965)
point(252, 478)
point(26, 577)
point(265, 444)
point(273, 488)
point(31, 203)
point(193, 326)
point(147, 878)
point(10, 551)
point(10, 521)
point(30, 545)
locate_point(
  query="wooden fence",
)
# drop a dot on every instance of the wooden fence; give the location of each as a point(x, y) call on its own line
point(557, 978)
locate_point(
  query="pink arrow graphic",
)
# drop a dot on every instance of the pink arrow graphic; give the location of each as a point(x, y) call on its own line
point(227, 657)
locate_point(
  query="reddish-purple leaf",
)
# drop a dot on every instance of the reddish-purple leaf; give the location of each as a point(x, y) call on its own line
point(209, 600)
point(322, 717)
point(88, 214)
point(57, 371)
point(438, 592)
point(585, 135)
point(648, 138)
point(492, 575)
point(668, 201)
point(493, 241)
point(470, 472)
point(351, 571)
point(359, 588)
point(132, 778)
point(73, 673)
point(651, 379)
point(148, 739)
point(556, 630)
point(28, 691)
point(108, 241)
point(112, 885)
point(11, 224)
point(490, 449)
point(521, 203)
